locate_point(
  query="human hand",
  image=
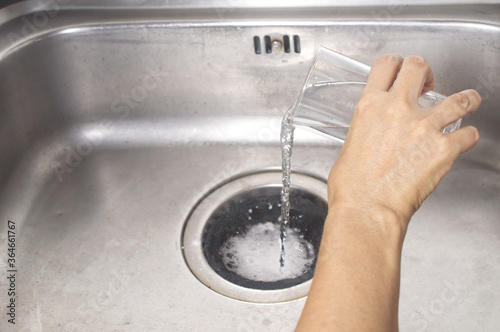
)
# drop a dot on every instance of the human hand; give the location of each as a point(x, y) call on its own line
point(395, 155)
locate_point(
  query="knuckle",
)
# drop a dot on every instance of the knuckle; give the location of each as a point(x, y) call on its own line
point(389, 59)
point(367, 100)
point(371, 102)
point(365, 105)
point(417, 60)
point(445, 146)
point(461, 100)
point(420, 132)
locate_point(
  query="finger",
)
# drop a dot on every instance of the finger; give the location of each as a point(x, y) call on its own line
point(463, 139)
point(383, 72)
point(414, 78)
point(454, 107)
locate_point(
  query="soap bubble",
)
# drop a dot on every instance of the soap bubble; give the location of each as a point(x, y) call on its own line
point(255, 254)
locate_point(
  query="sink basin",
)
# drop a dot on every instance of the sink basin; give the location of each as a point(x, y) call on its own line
point(115, 123)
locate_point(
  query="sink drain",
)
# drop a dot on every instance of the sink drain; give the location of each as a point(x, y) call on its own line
point(231, 239)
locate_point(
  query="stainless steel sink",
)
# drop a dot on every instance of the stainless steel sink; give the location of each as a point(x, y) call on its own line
point(116, 121)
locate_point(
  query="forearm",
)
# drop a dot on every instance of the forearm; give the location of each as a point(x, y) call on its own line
point(356, 282)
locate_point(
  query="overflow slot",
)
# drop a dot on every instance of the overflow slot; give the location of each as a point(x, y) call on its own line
point(274, 44)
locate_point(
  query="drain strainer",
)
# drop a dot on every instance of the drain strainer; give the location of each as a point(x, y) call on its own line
point(231, 239)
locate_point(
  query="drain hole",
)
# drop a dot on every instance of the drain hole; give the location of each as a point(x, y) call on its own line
point(240, 240)
point(286, 43)
point(296, 43)
point(256, 44)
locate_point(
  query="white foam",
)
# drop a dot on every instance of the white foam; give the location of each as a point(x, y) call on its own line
point(256, 254)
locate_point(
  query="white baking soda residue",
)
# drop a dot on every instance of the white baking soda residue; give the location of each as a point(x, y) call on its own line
point(255, 254)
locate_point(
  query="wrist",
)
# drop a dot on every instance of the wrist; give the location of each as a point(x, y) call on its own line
point(358, 268)
point(376, 219)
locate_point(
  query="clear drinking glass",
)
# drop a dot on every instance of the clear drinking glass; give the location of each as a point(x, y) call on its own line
point(331, 91)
